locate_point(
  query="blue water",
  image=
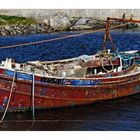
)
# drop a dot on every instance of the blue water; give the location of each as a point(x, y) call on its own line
point(66, 48)
point(118, 114)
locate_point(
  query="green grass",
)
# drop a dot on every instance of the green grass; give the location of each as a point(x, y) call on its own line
point(10, 20)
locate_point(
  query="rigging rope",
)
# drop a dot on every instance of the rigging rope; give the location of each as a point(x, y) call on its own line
point(60, 38)
point(11, 90)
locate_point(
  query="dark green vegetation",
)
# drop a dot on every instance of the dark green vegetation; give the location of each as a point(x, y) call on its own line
point(10, 20)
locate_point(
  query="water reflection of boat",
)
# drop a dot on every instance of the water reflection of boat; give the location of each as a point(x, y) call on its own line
point(81, 80)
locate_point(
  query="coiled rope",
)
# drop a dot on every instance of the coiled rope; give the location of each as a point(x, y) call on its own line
point(112, 67)
point(60, 38)
point(11, 90)
point(106, 56)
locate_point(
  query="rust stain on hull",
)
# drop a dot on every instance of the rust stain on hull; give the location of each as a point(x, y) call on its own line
point(51, 95)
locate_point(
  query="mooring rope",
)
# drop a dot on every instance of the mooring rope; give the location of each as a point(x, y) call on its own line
point(60, 38)
point(11, 90)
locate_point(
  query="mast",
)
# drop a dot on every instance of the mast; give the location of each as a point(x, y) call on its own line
point(107, 32)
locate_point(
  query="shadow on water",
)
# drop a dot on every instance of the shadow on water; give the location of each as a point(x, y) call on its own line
point(118, 114)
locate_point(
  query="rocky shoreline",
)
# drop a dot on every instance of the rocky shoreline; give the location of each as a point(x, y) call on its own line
point(58, 22)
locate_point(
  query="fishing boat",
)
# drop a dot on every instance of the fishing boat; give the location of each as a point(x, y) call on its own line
point(80, 80)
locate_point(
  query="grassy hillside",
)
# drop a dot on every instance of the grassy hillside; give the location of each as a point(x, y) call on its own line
point(15, 20)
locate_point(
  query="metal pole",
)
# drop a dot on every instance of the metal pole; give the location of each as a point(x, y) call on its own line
point(33, 97)
point(106, 33)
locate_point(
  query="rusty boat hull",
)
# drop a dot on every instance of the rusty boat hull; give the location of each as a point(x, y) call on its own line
point(60, 92)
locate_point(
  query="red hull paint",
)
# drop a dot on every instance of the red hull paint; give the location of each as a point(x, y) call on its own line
point(53, 95)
